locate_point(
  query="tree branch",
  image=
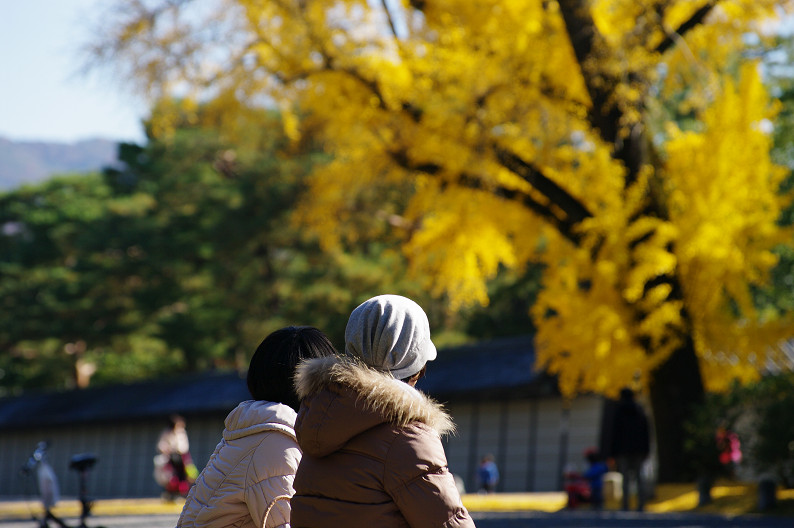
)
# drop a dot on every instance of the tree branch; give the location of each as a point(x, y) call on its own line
point(695, 20)
point(603, 115)
point(574, 211)
point(389, 19)
point(563, 224)
point(580, 27)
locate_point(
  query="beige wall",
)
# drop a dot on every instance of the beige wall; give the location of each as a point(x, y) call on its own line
point(124, 456)
point(531, 440)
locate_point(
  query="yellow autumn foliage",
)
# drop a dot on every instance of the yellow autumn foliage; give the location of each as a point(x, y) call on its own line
point(512, 138)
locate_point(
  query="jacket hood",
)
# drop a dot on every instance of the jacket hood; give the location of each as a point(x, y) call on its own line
point(254, 416)
point(343, 398)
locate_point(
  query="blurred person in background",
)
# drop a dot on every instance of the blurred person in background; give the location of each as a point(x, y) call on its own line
point(174, 470)
point(488, 474)
point(630, 445)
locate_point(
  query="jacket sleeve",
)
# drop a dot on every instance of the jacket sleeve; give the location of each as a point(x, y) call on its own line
point(271, 474)
point(419, 481)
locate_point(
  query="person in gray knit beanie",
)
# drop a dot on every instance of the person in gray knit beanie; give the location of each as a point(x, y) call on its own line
point(390, 333)
point(371, 442)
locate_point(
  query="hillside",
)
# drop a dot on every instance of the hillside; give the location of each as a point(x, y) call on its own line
point(30, 161)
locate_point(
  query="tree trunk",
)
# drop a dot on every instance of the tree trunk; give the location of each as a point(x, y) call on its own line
point(675, 387)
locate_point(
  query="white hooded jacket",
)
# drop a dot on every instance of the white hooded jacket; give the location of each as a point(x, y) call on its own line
point(254, 463)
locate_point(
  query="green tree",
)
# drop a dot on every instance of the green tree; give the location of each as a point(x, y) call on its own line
point(63, 298)
point(181, 259)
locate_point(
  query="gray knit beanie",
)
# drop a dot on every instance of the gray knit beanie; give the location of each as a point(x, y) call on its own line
point(390, 333)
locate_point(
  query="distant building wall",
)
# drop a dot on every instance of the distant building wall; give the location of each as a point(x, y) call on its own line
point(508, 409)
point(532, 440)
point(124, 451)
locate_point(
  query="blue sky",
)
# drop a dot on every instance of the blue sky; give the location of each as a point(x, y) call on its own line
point(42, 94)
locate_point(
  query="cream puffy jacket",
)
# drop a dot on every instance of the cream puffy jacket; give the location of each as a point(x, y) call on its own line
point(254, 463)
point(372, 452)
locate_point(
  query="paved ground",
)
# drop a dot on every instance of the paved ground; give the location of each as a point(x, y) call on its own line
point(579, 519)
point(524, 510)
point(589, 519)
point(121, 521)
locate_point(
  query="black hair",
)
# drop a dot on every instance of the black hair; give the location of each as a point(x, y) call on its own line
point(592, 456)
point(271, 371)
point(173, 420)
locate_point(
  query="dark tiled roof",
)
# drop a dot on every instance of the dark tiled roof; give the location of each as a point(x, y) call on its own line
point(491, 369)
point(500, 368)
point(201, 393)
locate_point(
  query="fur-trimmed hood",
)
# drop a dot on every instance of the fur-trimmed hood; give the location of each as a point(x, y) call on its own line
point(343, 398)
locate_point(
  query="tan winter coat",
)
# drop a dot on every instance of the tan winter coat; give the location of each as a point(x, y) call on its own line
point(372, 453)
point(254, 463)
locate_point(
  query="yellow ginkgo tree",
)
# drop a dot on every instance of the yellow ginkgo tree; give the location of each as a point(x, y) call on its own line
point(622, 143)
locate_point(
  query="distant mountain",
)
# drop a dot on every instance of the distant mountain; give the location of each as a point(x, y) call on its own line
point(32, 161)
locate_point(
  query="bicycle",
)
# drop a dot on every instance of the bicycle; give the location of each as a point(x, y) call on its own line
point(48, 484)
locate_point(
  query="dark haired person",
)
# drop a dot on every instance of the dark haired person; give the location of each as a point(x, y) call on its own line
point(372, 452)
point(630, 445)
point(596, 469)
point(249, 477)
point(173, 467)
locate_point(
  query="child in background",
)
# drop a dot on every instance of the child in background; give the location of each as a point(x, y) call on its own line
point(488, 474)
point(595, 477)
point(576, 486)
point(730, 450)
